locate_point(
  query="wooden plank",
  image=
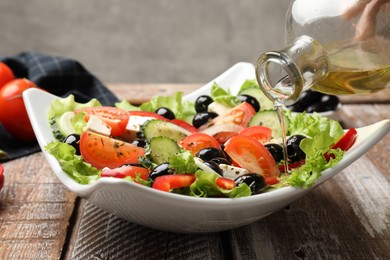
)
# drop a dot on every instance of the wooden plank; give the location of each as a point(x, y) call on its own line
point(105, 236)
point(345, 218)
point(34, 210)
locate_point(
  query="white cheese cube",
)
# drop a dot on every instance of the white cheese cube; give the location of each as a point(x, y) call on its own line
point(218, 108)
point(232, 172)
point(135, 122)
point(97, 125)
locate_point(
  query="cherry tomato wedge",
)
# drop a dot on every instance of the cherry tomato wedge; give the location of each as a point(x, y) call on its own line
point(223, 137)
point(1, 176)
point(250, 154)
point(345, 142)
point(225, 183)
point(103, 151)
point(173, 181)
point(114, 117)
point(197, 141)
point(126, 170)
point(260, 133)
point(6, 74)
point(238, 115)
point(185, 125)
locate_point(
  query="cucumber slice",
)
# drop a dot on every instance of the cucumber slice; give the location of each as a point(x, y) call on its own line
point(154, 128)
point(265, 103)
point(269, 119)
point(162, 148)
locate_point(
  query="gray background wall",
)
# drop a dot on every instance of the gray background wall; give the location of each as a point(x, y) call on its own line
point(154, 41)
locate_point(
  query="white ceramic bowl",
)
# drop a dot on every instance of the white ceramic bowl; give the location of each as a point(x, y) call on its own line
point(179, 213)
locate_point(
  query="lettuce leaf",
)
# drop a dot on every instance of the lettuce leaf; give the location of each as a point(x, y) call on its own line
point(125, 105)
point(72, 164)
point(61, 105)
point(322, 133)
point(223, 96)
point(183, 162)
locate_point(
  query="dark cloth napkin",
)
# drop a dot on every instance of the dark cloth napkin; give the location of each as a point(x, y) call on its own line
point(59, 76)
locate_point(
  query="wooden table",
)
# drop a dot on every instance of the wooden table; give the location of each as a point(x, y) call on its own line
point(347, 217)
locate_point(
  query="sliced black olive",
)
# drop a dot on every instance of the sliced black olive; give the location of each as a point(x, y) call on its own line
point(251, 100)
point(276, 151)
point(294, 152)
point(73, 140)
point(202, 118)
point(255, 182)
point(220, 160)
point(140, 142)
point(202, 103)
point(166, 112)
point(214, 166)
point(207, 154)
point(160, 170)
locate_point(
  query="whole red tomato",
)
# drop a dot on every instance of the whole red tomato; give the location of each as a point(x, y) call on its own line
point(13, 114)
point(6, 74)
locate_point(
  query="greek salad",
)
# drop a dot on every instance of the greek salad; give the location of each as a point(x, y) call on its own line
point(220, 145)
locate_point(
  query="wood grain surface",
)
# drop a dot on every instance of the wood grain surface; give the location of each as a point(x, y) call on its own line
point(348, 217)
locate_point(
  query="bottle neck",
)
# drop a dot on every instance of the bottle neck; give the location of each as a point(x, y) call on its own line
point(284, 75)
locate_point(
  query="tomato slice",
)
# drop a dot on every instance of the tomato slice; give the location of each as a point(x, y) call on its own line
point(126, 170)
point(103, 151)
point(344, 143)
point(185, 125)
point(6, 74)
point(114, 117)
point(225, 183)
point(250, 154)
point(223, 137)
point(260, 133)
point(238, 115)
point(197, 141)
point(173, 181)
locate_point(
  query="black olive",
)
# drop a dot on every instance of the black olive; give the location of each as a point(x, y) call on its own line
point(166, 112)
point(207, 154)
point(140, 135)
point(294, 152)
point(202, 103)
point(160, 170)
point(214, 166)
point(202, 118)
point(220, 160)
point(275, 150)
point(134, 164)
point(251, 100)
point(255, 182)
point(140, 142)
point(73, 140)
point(309, 97)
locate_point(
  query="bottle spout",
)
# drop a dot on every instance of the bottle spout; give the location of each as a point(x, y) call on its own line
point(284, 75)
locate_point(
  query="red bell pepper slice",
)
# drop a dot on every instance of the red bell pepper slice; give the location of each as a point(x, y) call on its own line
point(345, 142)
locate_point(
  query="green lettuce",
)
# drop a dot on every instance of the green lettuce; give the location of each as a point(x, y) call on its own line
point(222, 96)
point(61, 105)
point(126, 105)
point(72, 164)
point(183, 162)
point(322, 133)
